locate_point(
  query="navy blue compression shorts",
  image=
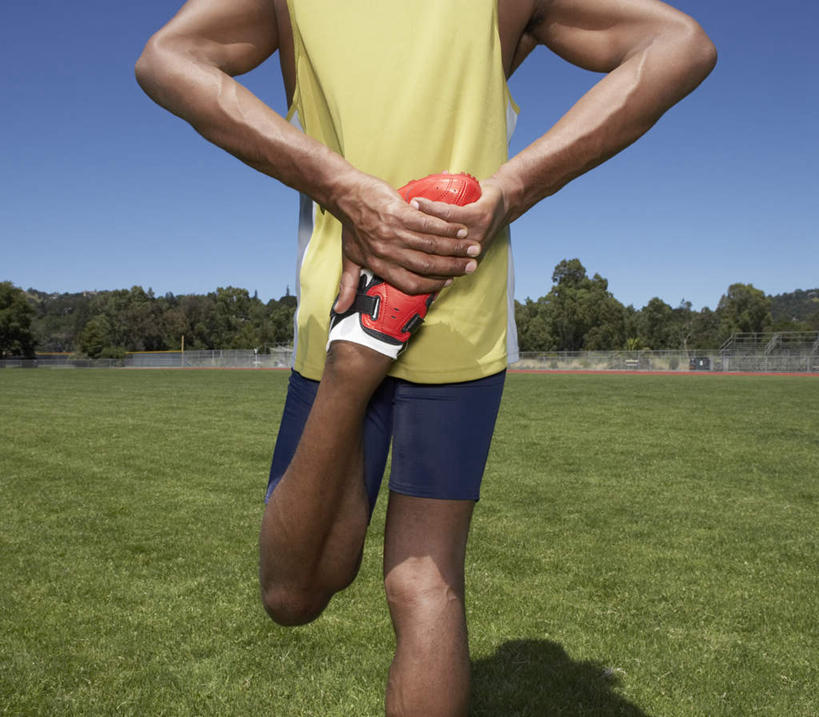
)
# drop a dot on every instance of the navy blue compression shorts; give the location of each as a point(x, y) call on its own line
point(440, 435)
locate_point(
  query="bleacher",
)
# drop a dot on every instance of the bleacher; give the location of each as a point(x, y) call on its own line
point(771, 351)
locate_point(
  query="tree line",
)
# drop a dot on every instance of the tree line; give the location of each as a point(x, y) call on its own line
point(578, 313)
point(107, 324)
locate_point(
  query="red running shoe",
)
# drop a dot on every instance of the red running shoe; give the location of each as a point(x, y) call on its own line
point(382, 317)
point(457, 189)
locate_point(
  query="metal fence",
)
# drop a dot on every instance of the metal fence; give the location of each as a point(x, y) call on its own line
point(792, 361)
point(618, 361)
point(278, 357)
point(785, 359)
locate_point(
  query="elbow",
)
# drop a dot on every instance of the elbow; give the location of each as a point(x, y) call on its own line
point(700, 52)
point(704, 52)
point(154, 64)
point(145, 69)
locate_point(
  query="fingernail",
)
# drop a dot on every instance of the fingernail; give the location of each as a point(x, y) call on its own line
point(473, 250)
point(414, 204)
point(448, 282)
point(462, 234)
point(471, 266)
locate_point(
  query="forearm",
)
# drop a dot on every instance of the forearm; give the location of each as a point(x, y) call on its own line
point(229, 115)
point(610, 116)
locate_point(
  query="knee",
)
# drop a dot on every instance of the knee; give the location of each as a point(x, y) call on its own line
point(418, 587)
point(289, 607)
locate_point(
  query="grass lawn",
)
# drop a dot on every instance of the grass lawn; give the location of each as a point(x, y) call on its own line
point(645, 545)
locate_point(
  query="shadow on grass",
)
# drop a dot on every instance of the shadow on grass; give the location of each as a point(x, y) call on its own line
point(536, 678)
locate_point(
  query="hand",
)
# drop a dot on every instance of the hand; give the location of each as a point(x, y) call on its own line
point(414, 251)
point(483, 219)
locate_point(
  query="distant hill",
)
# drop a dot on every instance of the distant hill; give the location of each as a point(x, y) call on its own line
point(800, 305)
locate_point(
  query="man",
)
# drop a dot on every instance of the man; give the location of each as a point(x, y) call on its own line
point(383, 93)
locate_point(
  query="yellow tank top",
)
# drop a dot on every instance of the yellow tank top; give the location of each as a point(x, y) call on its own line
point(402, 89)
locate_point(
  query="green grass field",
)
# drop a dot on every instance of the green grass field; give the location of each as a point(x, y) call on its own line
point(645, 545)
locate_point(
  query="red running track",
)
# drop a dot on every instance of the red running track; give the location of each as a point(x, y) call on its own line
point(585, 372)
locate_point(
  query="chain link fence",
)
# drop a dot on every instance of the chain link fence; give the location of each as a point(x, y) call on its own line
point(278, 357)
point(792, 360)
point(617, 361)
point(673, 361)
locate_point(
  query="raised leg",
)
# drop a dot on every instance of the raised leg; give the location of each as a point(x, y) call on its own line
point(313, 527)
point(424, 552)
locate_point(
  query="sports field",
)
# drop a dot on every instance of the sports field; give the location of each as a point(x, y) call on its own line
point(645, 545)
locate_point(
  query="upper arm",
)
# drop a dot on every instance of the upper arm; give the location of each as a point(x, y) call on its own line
point(233, 35)
point(599, 35)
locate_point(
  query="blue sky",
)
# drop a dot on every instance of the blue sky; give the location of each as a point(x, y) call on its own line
point(101, 189)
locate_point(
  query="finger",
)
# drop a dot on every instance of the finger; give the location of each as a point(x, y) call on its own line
point(440, 246)
point(431, 266)
point(427, 223)
point(350, 272)
point(476, 216)
point(411, 283)
point(450, 213)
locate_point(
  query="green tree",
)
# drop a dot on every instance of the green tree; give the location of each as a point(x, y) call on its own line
point(16, 338)
point(608, 328)
point(277, 327)
point(136, 320)
point(706, 330)
point(683, 326)
point(569, 273)
point(657, 325)
point(232, 312)
point(142, 317)
point(583, 314)
point(97, 337)
point(532, 319)
point(61, 318)
point(199, 315)
point(744, 308)
point(54, 324)
point(631, 322)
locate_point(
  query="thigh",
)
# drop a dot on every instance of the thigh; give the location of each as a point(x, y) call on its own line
point(442, 435)
point(301, 392)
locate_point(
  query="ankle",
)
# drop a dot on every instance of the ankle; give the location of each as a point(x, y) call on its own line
point(356, 367)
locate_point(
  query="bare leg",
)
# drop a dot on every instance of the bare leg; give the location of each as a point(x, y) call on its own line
point(424, 552)
point(315, 521)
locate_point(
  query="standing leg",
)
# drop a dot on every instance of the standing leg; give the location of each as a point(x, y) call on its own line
point(424, 552)
point(441, 440)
